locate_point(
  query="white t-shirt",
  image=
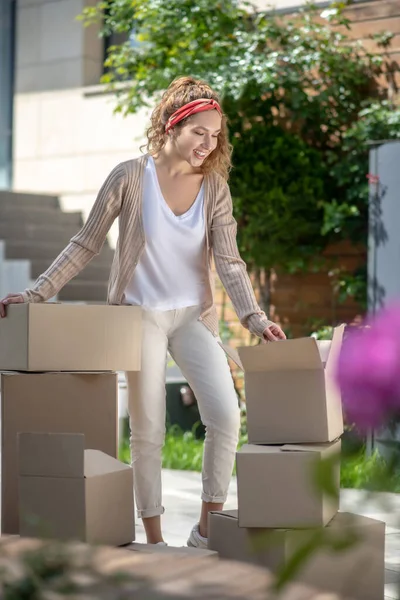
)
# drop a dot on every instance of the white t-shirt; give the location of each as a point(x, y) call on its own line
point(172, 270)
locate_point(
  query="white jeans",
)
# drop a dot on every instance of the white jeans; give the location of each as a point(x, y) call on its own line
point(204, 364)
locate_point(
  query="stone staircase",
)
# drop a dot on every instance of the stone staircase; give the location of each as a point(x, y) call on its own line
point(34, 228)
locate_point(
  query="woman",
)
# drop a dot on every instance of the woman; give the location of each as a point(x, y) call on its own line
point(175, 213)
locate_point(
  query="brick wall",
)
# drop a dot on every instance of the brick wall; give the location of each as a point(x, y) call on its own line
point(369, 18)
point(374, 17)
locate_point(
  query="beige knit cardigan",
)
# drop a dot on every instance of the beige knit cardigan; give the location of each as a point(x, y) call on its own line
point(121, 196)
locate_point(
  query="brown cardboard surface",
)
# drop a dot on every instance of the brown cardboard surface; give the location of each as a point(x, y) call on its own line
point(96, 507)
point(276, 486)
point(97, 463)
point(70, 337)
point(52, 507)
point(83, 403)
point(295, 354)
point(179, 552)
point(110, 514)
point(291, 394)
point(357, 572)
point(241, 543)
point(51, 454)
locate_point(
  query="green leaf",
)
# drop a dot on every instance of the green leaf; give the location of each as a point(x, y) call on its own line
point(326, 475)
point(302, 98)
point(297, 561)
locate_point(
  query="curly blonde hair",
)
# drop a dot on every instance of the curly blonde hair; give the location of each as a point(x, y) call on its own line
point(180, 92)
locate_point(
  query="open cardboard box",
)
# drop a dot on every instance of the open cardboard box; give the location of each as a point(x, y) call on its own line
point(276, 485)
point(69, 493)
point(357, 571)
point(70, 337)
point(54, 403)
point(291, 393)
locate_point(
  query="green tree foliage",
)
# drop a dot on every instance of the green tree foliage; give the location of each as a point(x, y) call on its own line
point(302, 100)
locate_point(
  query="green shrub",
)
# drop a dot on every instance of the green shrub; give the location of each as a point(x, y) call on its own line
point(369, 473)
point(182, 451)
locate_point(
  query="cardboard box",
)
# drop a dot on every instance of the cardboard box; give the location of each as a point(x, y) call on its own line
point(291, 394)
point(53, 402)
point(276, 486)
point(70, 337)
point(69, 493)
point(179, 552)
point(357, 571)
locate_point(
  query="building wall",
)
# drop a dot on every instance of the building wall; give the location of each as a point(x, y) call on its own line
point(66, 137)
point(67, 141)
point(54, 50)
point(7, 37)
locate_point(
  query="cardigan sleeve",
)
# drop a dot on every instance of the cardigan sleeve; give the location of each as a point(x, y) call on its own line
point(231, 268)
point(86, 244)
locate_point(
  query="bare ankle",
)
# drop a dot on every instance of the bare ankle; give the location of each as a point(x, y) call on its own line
point(206, 507)
point(152, 526)
point(203, 530)
point(154, 539)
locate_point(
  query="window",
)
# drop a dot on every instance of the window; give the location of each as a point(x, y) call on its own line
point(116, 39)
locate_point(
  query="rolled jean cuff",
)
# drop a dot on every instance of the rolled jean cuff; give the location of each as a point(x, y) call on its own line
point(214, 499)
point(150, 512)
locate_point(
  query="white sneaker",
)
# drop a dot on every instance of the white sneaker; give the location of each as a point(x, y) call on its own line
point(196, 540)
point(161, 544)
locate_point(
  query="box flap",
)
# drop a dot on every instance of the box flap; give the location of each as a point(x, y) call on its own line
point(297, 354)
point(258, 449)
point(230, 514)
point(306, 447)
point(351, 520)
point(99, 463)
point(336, 344)
point(232, 354)
point(51, 454)
point(324, 347)
point(83, 374)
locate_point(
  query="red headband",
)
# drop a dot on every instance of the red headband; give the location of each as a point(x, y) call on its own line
point(191, 108)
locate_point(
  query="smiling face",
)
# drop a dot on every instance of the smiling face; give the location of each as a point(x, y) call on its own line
point(197, 137)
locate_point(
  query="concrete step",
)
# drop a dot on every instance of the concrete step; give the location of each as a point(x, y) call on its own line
point(34, 228)
point(21, 230)
point(41, 216)
point(97, 270)
point(31, 250)
point(10, 199)
point(84, 291)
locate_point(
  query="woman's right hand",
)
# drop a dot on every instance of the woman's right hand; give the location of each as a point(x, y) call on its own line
point(10, 299)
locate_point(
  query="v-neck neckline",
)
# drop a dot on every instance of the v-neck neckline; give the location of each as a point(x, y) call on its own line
point(191, 208)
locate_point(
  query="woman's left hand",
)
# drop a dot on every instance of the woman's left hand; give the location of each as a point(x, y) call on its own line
point(273, 333)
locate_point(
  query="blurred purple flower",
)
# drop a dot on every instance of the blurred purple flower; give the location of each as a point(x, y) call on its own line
point(368, 370)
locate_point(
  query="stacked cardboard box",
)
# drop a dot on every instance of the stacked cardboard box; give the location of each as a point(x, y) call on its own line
point(67, 492)
point(58, 366)
point(294, 419)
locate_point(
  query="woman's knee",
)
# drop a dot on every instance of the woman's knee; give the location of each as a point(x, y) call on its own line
point(147, 440)
point(225, 421)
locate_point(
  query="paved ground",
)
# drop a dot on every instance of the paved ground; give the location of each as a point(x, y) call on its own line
point(181, 493)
